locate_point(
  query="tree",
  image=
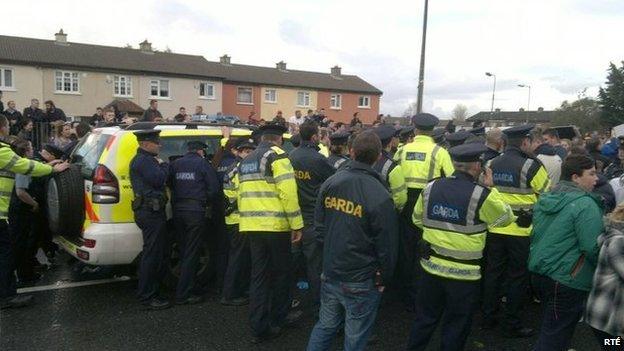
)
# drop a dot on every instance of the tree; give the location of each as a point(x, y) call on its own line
point(460, 112)
point(611, 97)
point(411, 110)
point(584, 113)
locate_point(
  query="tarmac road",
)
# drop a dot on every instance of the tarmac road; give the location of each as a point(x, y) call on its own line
point(75, 310)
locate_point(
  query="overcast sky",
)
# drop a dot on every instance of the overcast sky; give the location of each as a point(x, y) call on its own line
point(558, 47)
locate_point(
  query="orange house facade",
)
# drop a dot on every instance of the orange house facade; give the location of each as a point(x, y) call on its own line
point(340, 106)
point(241, 100)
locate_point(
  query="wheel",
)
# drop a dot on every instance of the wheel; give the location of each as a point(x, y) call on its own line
point(65, 203)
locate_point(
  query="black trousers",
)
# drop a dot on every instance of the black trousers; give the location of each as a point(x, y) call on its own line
point(408, 268)
point(24, 241)
point(7, 263)
point(506, 254)
point(236, 282)
point(312, 251)
point(190, 235)
point(219, 245)
point(153, 266)
point(453, 301)
point(270, 279)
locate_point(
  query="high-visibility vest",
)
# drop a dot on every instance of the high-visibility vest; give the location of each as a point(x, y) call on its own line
point(423, 160)
point(520, 179)
point(11, 163)
point(267, 192)
point(230, 190)
point(455, 213)
point(392, 175)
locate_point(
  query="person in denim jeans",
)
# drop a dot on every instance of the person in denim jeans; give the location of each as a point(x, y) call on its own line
point(356, 221)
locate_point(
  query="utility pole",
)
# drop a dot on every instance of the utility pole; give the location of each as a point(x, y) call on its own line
point(421, 76)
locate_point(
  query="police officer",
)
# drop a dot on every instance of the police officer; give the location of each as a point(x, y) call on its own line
point(406, 136)
point(454, 213)
point(390, 171)
point(270, 216)
point(520, 178)
point(194, 186)
point(338, 150)
point(359, 230)
point(148, 175)
point(311, 170)
point(439, 137)
point(458, 138)
point(236, 281)
point(10, 163)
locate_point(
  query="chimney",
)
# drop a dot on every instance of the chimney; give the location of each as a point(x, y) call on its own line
point(540, 109)
point(145, 46)
point(335, 71)
point(281, 66)
point(224, 60)
point(60, 37)
point(521, 109)
point(497, 110)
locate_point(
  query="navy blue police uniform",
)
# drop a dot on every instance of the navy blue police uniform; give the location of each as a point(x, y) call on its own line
point(458, 138)
point(338, 160)
point(311, 170)
point(194, 187)
point(148, 178)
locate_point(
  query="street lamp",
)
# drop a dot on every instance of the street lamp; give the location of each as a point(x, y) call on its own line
point(421, 76)
point(529, 102)
point(493, 89)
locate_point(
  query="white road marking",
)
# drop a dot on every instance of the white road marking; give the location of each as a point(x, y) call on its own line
point(66, 285)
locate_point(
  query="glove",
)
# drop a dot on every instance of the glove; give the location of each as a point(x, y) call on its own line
point(525, 218)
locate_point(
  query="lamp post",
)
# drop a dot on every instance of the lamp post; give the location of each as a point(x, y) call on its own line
point(493, 89)
point(421, 76)
point(528, 102)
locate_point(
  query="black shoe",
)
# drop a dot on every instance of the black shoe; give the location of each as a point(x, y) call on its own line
point(29, 281)
point(157, 303)
point(193, 299)
point(522, 332)
point(17, 301)
point(239, 301)
point(273, 333)
point(292, 318)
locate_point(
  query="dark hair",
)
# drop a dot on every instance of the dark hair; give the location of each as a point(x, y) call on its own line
point(82, 129)
point(271, 138)
point(575, 164)
point(307, 130)
point(153, 101)
point(355, 114)
point(578, 150)
point(25, 121)
point(50, 102)
point(98, 108)
point(366, 147)
point(593, 144)
point(553, 133)
point(18, 145)
point(221, 152)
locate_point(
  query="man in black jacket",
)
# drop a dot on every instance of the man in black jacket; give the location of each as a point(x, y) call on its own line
point(54, 113)
point(33, 111)
point(357, 223)
point(311, 170)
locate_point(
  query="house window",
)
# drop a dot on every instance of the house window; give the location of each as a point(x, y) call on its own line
point(67, 82)
point(335, 101)
point(6, 78)
point(364, 101)
point(244, 96)
point(270, 95)
point(122, 86)
point(206, 90)
point(159, 88)
point(303, 99)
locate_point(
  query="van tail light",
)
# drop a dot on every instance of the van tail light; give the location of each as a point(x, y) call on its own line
point(105, 189)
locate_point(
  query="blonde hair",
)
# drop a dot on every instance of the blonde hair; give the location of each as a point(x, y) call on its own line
point(618, 214)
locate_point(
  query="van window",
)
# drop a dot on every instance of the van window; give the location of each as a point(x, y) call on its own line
point(174, 147)
point(88, 152)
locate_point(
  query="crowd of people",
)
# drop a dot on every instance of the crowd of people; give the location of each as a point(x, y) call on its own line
point(455, 221)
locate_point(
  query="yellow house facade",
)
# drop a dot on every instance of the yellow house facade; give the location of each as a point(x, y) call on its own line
point(287, 100)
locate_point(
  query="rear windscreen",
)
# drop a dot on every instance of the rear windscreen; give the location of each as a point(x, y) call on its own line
point(174, 147)
point(88, 152)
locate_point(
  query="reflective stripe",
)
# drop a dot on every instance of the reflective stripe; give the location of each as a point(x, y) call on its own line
point(254, 176)
point(513, 190)
point(257, 194)
point(385, 169)
point(283, 177)
point(521, 206)
point(471, 214)
point(400, 188)
point(469, 228)
point(448, 271)
point(5, 193)
point(339, 162)
point(31, 166)
point(264, 161)
point(524, 172)
point(501, 219)
point(7, 174)
point(416, 180)
point(11, 163)
point(460, 254)
point(293, 214)
point(269, 214)
point(228, 186)
point(432, 162)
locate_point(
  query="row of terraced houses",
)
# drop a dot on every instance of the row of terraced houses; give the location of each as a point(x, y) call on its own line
point(79, 77)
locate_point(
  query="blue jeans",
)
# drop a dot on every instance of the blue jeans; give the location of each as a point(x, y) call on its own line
point(354, 303)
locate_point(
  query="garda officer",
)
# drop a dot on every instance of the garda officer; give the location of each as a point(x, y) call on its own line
point(390, 171)
point(236, 281)
point(454, 213)
point(458, 138)
point(338, 149)
point(270, 215)
point(10, 163)
point(194, 188)
point(439, 136)
point(519, 178)
point(359, 229)
point(311, 170)
point(148, 175)
point(406, 136)
point(495, 141)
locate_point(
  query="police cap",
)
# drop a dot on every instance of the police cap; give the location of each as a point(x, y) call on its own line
point(425, 121)
point(458, 138)
point(273, 129)
point(244, 143)
point(295, 140)
point(196, 145)
point(385, 132)
point(519, 132)
point(478, 130)
point(467, 152)
point(54, 150)
point(339, 138)
point(406, 130)
point(438, 134)
point(152, 135)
